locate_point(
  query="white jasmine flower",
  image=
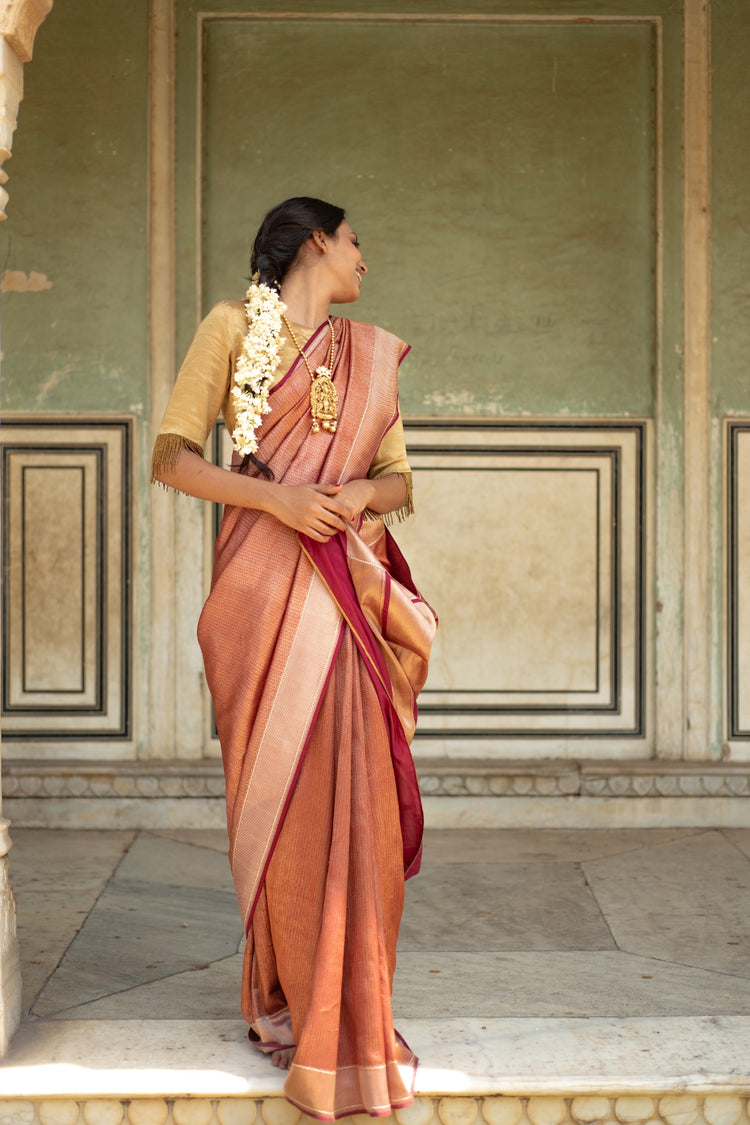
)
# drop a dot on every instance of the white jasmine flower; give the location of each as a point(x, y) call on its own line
point(257, 364)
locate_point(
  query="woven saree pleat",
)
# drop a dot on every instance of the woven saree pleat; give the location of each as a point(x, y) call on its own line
point(340, 911)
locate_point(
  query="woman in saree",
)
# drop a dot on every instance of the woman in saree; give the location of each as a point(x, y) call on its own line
point(315, 644)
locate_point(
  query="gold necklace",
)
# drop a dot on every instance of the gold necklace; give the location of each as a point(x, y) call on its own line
point(324, 399)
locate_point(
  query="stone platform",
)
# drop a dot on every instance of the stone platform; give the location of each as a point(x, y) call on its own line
point(545, 977)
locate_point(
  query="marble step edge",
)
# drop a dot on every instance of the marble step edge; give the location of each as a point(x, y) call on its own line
point(510, 1071)
point(585, 1109)
point(438, 777)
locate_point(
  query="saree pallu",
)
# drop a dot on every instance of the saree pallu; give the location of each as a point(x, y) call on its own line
point(314, 654)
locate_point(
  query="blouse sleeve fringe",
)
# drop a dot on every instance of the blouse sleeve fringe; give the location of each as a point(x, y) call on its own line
point(398, 515)
point(167, 449)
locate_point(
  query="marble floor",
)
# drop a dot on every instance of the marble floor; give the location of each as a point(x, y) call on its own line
point(594, 930)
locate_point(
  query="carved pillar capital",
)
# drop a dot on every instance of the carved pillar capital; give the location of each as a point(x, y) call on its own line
point(19, 23)
point(11, 92)
point(5, 841)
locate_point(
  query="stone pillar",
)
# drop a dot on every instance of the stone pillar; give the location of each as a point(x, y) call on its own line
point(19, 21)
point(11, 88)
point(10, 967)
point(702, 642)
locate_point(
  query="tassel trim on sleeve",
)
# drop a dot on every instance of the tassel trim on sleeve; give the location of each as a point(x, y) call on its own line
point(398, 514)
point(167, 449)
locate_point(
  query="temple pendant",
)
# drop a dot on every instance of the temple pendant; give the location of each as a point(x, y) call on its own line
point(323, 402)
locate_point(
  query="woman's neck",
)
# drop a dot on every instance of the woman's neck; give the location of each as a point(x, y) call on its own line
point(305, 304)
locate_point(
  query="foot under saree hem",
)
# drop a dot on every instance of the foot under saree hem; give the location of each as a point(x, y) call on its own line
point(272, 1033)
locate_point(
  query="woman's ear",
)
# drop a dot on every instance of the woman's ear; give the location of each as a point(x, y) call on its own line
point(319, 240)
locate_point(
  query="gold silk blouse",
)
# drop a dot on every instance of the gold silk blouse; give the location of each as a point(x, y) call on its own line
point(203, 385)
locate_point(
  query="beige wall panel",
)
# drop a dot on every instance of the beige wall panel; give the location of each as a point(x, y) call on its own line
point(523, 554)
point(529, 542)
point(53, 579)
point(67, 563)
point(738, 599)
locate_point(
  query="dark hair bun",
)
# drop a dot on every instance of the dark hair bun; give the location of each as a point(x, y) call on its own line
point(283, 231)
point(267, 269)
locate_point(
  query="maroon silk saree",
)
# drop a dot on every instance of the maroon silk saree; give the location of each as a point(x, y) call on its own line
point(314, 655)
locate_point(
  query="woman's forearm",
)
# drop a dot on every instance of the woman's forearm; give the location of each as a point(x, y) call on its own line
point(200, 478)
point(315, 509)
point(389, 493)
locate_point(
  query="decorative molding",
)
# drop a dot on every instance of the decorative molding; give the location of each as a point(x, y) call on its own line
point(153, 780)
point(66, 557)
point(145, 780)
point(586, 779)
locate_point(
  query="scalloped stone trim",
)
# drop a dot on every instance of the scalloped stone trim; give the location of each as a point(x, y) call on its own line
point(588, 1109)
point(438, 778)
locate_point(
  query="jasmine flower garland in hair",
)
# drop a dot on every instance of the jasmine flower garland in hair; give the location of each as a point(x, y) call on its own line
point(257, 363)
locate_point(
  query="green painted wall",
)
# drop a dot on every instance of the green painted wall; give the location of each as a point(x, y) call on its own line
point(501, 179)
point(77, 215)
point(731, 207)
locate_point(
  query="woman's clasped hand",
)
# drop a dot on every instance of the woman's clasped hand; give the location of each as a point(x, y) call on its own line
point(320, 510)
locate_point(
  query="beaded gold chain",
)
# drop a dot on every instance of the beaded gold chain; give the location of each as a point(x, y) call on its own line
point(324, 399)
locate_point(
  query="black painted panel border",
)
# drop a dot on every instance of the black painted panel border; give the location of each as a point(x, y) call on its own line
point(113, 727)
point(735, 430)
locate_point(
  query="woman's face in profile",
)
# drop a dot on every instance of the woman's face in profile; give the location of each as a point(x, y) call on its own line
point(345, 263)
